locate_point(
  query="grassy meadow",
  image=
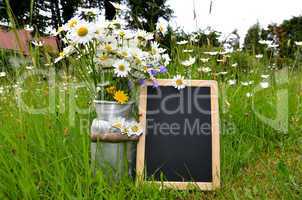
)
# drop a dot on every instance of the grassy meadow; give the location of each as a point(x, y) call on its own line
point(44, 130)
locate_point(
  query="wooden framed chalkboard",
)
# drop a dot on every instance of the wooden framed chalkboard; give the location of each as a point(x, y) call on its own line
point(180, 145)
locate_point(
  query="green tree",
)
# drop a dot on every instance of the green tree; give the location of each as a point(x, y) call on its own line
point(251, 40)
point(145, 14)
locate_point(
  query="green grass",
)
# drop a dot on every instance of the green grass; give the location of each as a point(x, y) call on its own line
point(47, 155)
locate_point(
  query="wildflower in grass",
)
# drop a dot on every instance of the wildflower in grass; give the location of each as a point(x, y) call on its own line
point(121, 97)
point(29, 67)
point(204, 60)
point(259, 56)
point(179, 82)
point(121, 68)
point(37, 43)
point(298, 43)
point(222, 73)
point(2, 74)
point(1, 90)
point(248, 94)
point(189, 62)
point(161, 28)
point(212, 53)
point(247, 83)
point(188, 50)
point(155, 49)
point(265, 42)
point(235, 65)
point(134, 129)
point(264, 84)
point(232, 82)
point(264, 76)
point(82, 33)
point(183, 42)
point(28, 28)
point(206, 69)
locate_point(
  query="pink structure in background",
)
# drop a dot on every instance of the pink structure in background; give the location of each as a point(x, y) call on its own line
point(19, 40)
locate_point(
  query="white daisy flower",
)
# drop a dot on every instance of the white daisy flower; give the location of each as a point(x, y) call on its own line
point(29, 28)
point(204, 60)
point(29, 67)
point(259, 56)
point(134, 129)
point(212, 53)
point(247, 83)
point(232, 82)
point(206, 69)
point(182, 42)
point(298, 43)
point(188, 50)
point(248, 94)
point(161, 28)
point(264, 85)
point(189, 62)
point(119, 6)
point(166, 59)
point(143, 35)
point(72, 23)
point(264, 76)
point(37, 43)
point(121, 68)
point(179, 82)
point(2, 74)
point(235, 65)
point(82, 33)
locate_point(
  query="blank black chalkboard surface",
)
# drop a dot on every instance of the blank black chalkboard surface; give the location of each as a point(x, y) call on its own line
point(180, 145)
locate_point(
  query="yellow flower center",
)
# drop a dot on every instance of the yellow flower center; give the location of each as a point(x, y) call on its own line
point(103, 58)
point(72, 23)
point(122, 34)
point(122, 67)
point(108, 47)
point(82, 31)
point(62, 54)
point(179, 82)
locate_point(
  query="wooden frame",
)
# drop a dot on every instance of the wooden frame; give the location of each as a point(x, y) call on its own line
point(140, 162)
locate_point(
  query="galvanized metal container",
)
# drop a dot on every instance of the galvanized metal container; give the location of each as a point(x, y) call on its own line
point(117, 159)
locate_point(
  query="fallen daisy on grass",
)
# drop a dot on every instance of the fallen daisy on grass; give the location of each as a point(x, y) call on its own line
point(134, 129)
point(189, 62)
point(179, 82)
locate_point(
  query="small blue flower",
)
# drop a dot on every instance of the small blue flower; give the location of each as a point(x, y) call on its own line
point(163, 69)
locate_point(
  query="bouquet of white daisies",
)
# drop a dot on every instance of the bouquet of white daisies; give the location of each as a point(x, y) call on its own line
point(115, 56)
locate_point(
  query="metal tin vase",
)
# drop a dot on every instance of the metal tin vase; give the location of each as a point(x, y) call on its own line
point(117, 159)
